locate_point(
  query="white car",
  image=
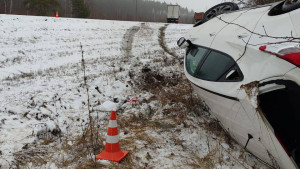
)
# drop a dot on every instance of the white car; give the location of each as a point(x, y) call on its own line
point(245, 65)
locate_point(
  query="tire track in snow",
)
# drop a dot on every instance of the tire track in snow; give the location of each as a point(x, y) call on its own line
point(128, 40)
point(162, 43)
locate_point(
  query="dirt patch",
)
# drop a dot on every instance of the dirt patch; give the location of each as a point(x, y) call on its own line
point(173, 92)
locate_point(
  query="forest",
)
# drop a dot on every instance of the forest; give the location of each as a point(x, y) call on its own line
point(126, 10)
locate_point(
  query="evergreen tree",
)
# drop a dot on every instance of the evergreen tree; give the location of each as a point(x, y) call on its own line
point(41, 7)
point(80, 9)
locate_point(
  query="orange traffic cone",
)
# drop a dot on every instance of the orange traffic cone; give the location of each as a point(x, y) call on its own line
point(112, 150)
point(56, 14)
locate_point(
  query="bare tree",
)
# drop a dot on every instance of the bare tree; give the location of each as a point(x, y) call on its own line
point(11, 5)
point(5, 5)
point(143, 10)
point(65, 8)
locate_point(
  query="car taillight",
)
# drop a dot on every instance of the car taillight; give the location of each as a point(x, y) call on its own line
point(290, 54)
point(293, 58)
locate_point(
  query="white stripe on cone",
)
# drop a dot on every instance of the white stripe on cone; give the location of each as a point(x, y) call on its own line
point(112, 139)
point(112, 123)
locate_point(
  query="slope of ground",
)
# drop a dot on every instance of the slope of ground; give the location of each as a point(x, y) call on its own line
point(47, 117)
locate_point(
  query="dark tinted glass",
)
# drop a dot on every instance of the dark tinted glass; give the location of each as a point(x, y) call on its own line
point(215, 65)
point(193, 58)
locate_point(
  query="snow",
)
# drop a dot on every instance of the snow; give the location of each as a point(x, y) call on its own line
point(253, 97)
point(44, 108)
point(109, 106)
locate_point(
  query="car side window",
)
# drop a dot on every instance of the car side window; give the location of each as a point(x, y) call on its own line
point(215, 66)
point(193, 58)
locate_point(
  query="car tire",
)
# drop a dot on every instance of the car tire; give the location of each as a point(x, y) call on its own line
point(219, 9)
point(290, 5)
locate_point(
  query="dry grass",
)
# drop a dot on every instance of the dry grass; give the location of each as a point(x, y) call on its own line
point(172, 90)
point(32, 154)
point(176, 102)
point(79, 153)
point(23, 75)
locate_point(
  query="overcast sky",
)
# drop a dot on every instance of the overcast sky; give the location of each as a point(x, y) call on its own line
point(196, 5)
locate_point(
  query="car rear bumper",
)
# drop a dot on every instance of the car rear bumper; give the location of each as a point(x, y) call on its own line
point(172, 20)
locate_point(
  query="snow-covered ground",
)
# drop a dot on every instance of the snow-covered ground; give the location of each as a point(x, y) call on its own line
point(44, 117)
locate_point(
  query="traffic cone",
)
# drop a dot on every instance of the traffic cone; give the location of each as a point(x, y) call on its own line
point(56, 14)
point(112, 149)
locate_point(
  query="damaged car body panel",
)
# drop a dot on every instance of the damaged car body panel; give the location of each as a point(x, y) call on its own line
point(280, 108)
point(247, 71)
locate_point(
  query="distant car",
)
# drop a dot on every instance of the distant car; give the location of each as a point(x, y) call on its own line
point(245, 65)
point(198, 16)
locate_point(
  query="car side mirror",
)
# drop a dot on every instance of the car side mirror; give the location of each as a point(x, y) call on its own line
point(182, 42)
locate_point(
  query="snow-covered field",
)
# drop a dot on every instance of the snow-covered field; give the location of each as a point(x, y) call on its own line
point(44, 116)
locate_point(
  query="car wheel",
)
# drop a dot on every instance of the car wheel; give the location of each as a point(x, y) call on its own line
point(219, 9)
point(290, 5)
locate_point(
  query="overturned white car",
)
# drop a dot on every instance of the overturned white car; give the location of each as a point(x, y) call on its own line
point(245, 65)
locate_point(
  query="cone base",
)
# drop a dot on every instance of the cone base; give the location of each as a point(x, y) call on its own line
point(116, 156)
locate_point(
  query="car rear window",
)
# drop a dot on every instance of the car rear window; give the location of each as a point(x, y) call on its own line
point(215, 65)
point(193, 58)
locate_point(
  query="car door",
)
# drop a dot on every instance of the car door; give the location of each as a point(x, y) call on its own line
point(217, 78)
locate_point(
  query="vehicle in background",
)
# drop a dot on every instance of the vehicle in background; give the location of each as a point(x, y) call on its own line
point(198, 16)
point(173, 14)
point(245, 65)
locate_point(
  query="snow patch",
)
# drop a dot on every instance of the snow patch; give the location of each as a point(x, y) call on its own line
point(109, 106)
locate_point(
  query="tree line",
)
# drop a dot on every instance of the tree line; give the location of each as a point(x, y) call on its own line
point(130, 10)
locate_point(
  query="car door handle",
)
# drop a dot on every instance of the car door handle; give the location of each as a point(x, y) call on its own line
point(212, 34)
